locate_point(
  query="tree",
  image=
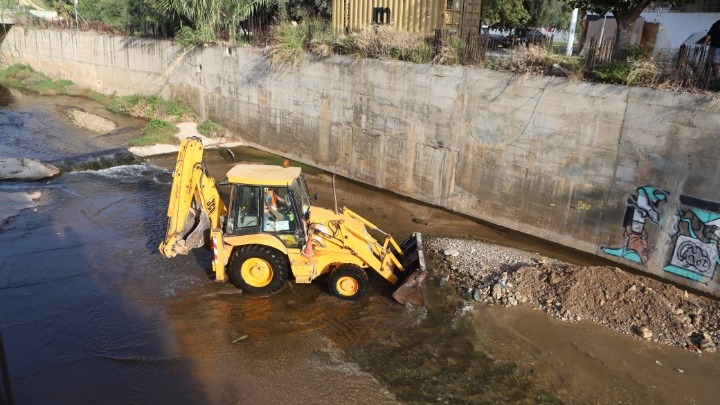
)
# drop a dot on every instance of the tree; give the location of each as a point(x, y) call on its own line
point(547, 13)
point(505, 14)
point(626, 12)
point(523, 13)
point(211, 17)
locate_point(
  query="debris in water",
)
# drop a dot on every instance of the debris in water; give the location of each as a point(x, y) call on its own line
point(243, 337)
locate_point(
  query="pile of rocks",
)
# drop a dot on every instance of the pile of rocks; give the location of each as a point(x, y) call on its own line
point(624, 302)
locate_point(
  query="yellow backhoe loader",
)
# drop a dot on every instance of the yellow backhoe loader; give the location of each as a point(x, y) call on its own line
point(269, 231)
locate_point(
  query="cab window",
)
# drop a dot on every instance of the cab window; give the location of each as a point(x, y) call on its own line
point(247, 213)
point(279, 217)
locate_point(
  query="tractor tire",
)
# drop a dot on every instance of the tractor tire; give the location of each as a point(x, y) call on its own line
point(348, 282)
point(258, 269)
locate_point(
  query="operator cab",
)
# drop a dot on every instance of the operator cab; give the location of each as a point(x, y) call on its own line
point(268, 199)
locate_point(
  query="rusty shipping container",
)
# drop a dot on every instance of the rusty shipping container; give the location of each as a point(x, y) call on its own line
point(408, 15)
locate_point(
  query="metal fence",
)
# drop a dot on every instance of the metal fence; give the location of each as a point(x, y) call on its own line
point(474, 46)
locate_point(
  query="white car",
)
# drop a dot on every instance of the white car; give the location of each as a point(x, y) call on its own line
point(695, 38)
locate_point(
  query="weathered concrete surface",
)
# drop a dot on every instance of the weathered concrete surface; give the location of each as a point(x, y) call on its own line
point(570, 162)
point(26, 169)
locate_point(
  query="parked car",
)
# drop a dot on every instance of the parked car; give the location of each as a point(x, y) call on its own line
point(695, 38)
point(494, 40)
point(526, 36)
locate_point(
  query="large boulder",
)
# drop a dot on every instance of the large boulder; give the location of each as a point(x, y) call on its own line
point(26, 169)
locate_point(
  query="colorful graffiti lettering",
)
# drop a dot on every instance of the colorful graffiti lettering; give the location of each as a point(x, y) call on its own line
point(641, 207)
point(694, 238)
point(696, 233)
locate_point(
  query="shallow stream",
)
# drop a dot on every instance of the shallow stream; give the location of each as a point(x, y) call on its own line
point(92, 313)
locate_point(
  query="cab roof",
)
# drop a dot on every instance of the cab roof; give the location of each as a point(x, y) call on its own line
point(263, 175)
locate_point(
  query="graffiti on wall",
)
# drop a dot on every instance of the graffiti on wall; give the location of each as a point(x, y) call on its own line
point(694, 236)
point(694, 239)
point(641, 207)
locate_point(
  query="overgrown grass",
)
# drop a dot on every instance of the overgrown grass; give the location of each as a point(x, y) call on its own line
point(160, 113)
point(291, 41)
point(212, 129)
point(24, 77)
point(156, 131)
point(148, 107)
point(382, 42)
point(289, 45)
point(189, 37)
point(538, 60)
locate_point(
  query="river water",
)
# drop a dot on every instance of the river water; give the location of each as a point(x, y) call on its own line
point(92, 313)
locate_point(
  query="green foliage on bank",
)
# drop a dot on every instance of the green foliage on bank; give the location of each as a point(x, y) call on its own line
point(160, 113)
point(615, 72)
point(156, 131)
point(212, 129)
point(148, 107)
point(23, 77)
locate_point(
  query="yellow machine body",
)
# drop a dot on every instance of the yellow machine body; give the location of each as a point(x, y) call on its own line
point(323, 241)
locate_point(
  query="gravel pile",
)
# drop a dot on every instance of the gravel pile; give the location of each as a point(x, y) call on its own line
point(624, 302)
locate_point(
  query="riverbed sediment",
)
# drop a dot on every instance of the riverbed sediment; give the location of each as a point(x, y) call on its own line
point(489, 274)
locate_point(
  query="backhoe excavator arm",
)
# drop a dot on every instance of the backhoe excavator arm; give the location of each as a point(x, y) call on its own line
point(194, 204)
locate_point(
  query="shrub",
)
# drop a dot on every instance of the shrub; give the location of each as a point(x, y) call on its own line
point(615, 72)
point(635, 52)
point(288, 47)
point(189, 37)
point(383, 42)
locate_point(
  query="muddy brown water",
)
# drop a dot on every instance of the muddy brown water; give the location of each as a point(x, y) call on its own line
point(92, 313)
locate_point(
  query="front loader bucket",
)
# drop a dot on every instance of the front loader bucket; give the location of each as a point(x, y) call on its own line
point(410, 290)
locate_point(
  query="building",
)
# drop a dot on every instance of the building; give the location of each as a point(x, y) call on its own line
point(409, 15)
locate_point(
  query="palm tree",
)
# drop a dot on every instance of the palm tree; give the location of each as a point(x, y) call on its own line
point(211, 16)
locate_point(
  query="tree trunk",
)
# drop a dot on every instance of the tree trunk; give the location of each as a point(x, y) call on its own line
point(622, 37)
point(625, 24)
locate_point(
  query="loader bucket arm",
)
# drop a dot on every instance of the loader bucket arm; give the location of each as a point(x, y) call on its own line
point(407, 260)
point(194, 205)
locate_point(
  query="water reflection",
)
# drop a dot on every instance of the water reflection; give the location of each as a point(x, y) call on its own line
point(6, 97)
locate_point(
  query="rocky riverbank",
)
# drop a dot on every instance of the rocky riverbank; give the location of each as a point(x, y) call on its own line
point(628, 303)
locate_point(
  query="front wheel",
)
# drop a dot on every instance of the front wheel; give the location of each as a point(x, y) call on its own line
point(258, 269)
point(348, 282)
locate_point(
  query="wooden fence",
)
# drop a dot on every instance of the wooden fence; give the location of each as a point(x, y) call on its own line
point(695, 65)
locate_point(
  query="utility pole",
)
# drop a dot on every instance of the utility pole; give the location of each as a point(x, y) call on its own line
point(77, 23)
point(571, 35)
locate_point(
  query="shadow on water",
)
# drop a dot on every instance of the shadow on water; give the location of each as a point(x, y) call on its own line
point(81, 321)
point(69, 323)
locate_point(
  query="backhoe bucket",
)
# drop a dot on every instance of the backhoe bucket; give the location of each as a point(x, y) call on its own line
point(410, 291)
point(194, 233)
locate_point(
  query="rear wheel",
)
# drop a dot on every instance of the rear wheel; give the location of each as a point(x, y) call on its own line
point(348, 282)
point(258, 269)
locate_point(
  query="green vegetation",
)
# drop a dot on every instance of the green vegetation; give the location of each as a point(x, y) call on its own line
point(289, 45)
point(26, 78)
point(156, 131)
point(615, 72)
point(149, 107)
point(159, 112)
point(212, 129)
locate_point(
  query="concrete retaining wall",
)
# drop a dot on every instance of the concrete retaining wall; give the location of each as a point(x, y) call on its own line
point(627, 173)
